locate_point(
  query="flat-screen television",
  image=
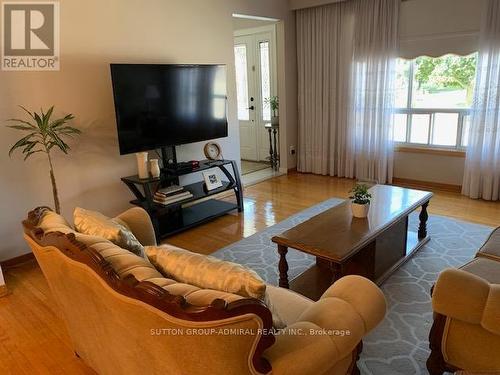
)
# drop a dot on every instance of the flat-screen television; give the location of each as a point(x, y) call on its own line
point(160, 105)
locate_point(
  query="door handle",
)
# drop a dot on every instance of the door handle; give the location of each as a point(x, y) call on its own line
point(251, 108)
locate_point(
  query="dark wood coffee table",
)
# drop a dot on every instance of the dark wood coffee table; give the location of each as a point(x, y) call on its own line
point(373, 247)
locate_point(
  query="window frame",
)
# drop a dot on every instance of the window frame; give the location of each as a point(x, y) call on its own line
point(409, 111)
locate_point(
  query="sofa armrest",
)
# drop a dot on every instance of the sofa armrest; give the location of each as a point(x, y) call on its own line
point(466, 297)
point(139, 222)
point(330, 329)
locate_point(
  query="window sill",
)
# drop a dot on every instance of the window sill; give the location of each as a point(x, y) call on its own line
point(431, 151)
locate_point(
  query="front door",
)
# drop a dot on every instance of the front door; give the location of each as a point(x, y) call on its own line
point(255, 67)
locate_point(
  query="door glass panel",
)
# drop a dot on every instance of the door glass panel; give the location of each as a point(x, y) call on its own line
point(240, 57)
point(419, 129)
point(265, 84)
point(445, 129)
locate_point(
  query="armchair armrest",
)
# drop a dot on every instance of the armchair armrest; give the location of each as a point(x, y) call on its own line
point(139, 222)
point(469, 298)
point(330, 329)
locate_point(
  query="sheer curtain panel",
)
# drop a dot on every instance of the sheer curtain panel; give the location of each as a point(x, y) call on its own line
point(482, 163)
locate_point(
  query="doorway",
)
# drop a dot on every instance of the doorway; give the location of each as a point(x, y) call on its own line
point(256, 84)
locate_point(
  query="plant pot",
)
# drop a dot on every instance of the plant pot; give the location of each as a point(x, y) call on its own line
point(360, 210)
point(275, 120)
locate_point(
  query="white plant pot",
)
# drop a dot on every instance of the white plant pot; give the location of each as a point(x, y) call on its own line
point(275, 120)
point(360, 210)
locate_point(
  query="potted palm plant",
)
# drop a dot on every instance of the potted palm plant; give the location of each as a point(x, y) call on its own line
point(43, 134)
point(360, 201)
point(274, 103)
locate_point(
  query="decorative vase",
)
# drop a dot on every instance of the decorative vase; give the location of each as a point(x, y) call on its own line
point(142, 164)
point(275, 120)
point(154, 168)
point(360, 210)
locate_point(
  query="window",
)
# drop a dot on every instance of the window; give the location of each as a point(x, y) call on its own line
point(433, 98)
point(265, 76)
point(240, 53)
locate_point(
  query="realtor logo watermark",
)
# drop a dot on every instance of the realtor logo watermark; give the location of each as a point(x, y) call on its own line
point(30, 35)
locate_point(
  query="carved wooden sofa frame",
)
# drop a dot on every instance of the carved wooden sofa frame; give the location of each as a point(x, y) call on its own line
point(152, 294)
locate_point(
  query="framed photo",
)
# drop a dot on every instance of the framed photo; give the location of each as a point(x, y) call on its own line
point(212, 180)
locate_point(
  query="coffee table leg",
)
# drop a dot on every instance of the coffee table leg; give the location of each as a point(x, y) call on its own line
point(422, 228)
point(336, 271)
point(283, 267)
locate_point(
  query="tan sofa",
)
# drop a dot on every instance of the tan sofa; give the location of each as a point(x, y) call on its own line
point(466, 302)
point(124, 317)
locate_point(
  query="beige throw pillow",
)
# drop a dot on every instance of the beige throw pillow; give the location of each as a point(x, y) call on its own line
point(210, 273)
point(114, 230)
point(205, 271)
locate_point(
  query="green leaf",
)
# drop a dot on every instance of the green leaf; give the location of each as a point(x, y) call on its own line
point(59, 142)
point(31, 153)
point(61, 121)
point(39, 121)
point(28, 112)
point(22, 122)
point(46, 117)
point(29, 147)
point(68, 130)
point(20, 143)
point(20, 127)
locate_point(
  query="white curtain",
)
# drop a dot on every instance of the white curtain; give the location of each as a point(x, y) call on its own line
point(325, 48)
point(346, 60)
point(482, 164)
point(371, 116)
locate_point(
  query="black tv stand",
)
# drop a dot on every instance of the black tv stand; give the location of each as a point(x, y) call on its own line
point(202, 207)
point(168, 156)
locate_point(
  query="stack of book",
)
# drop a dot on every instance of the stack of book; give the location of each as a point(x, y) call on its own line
point(171, 195)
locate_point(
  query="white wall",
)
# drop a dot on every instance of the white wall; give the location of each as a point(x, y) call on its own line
point(93, 34)
point(429, 168)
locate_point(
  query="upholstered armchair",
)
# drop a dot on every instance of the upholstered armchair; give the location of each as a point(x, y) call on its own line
point(124, 316)
point(466, 331)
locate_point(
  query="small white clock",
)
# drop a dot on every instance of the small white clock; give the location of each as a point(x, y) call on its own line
point(212, 151)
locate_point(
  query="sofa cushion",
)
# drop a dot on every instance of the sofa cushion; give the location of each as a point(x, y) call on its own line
point(115, 230)
point(206, 271)
point(123, 261)
point(211, 273)
point(126, 263)
point(491, 248)
point(53, 222)
point(485, 268)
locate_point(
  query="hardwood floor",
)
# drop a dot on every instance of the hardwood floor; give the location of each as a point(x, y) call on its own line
point(33, 339)
point(274, 200)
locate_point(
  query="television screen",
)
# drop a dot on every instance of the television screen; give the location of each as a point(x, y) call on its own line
point(165, 105)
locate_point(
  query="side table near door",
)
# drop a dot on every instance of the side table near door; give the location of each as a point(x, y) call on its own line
point(273, 145)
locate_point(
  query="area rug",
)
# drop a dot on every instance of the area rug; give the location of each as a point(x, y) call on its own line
point(399, 344)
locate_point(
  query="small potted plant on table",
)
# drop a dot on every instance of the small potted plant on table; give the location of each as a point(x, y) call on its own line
point(274, 103)
point(360, 201)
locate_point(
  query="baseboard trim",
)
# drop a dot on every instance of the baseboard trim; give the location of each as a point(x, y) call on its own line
point(405, 182)
point(3, 288)
point(17, 260)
